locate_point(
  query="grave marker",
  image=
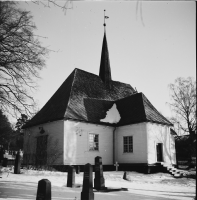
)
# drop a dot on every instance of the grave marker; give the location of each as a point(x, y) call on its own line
point(116, 165)
point(148, 169)
point(99, 181)
point(87, 191)
point(44, 190)
point(71, 176)
point(17, 164)
point(77, 169)
point(126, 176)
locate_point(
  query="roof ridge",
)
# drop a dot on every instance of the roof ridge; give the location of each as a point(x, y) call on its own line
point(75, 70)
point(99, 99)
point(85, 71)
point(100, 77)
point(121, 82)
point(137, 93)
point(143, 105)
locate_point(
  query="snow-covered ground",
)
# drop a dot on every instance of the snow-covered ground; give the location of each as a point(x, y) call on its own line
point(156, 185)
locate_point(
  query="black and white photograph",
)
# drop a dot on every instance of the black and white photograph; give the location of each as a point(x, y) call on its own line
point(97, 100)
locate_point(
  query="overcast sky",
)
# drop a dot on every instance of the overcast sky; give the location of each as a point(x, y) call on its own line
point(150, 44)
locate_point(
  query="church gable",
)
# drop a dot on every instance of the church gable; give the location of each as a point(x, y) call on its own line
point(137, 108)
point(131, 110)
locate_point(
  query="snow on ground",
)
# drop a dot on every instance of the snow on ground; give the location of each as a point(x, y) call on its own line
point(158, 185)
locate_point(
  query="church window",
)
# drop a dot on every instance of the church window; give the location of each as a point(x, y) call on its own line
point(93, 142)
point(128, 144)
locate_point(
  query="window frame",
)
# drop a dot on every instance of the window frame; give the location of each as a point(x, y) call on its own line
point(93, 145)
point(128, 144)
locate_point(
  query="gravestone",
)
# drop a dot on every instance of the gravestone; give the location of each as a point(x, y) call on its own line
point(99, 181)
point(126, 176)
point(77, 169)
point(148, 169)
point(5, 162)
point(44, 190)
point(17, 164)
point(87, 191)
point(71, 176)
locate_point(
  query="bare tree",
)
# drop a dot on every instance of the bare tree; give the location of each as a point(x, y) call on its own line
point(183, 95)
point(21, 59)
point(44, 156)
point(64, 5)
point(20, 122)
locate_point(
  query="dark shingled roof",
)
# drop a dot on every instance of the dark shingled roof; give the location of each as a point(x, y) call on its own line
point(55, 108)
point(152, 114)
point(87, 97)
point(133, 109)
point(137, 108)
point(72, 99)
point(83, 96)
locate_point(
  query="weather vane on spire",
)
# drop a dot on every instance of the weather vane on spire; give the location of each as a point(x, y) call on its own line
point(105, 17)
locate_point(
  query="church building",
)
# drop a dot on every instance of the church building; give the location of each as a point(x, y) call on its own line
point(92, 115)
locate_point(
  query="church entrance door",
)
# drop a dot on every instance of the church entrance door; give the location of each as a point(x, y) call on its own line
point(159, 148)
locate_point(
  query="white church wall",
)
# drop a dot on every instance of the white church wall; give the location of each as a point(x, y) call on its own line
point(160, 134)
point(76, 143)
point(54, 132)
point(139, 154)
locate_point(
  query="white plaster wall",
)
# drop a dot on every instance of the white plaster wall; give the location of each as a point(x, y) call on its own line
point(54, 130)
point(139, 155)
point(160, 134)
point(76, 143)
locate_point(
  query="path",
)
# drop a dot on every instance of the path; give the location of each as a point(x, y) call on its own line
point(27, 191)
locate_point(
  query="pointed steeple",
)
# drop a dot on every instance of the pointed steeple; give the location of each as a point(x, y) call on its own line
point(105, 70)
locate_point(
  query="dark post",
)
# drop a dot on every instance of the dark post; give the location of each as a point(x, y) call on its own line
point(17, 164)
point(44, 190)
point(77, 169)
point(71, 176)
point(5, 162)
point(1, 154)
point(87, 191)
point(99, 181)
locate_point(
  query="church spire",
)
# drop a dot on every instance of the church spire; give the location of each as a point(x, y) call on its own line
point(105, 71)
